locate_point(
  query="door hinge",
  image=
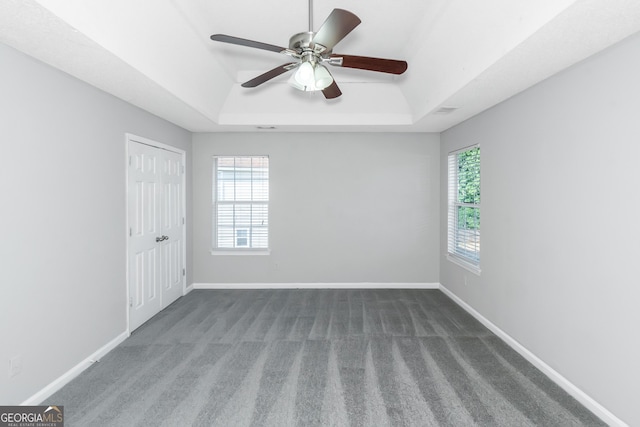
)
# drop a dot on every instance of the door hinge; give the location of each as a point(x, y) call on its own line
point(182, 169)
point(184, 272)
point(130, 301)
point(129, 160)
point(182, 220)
point(130, 231)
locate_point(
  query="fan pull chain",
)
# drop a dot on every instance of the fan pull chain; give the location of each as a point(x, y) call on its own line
point(311, 16)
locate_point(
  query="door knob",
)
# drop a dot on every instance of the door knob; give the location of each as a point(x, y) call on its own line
point(159, 239)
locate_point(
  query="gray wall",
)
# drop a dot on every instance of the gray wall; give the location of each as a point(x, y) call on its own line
point(560, 227)
point(62, 245)
point(344, 208)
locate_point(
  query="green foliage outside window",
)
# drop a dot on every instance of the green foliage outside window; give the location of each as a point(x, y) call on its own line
point(469, 189)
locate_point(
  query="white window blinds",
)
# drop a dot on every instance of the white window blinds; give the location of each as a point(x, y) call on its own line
point(241, 202)
point(464, 205)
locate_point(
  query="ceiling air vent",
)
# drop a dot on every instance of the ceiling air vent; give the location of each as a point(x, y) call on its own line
point(446, 110)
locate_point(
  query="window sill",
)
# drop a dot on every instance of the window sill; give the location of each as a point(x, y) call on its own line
point(257, 252)
point(464, 264)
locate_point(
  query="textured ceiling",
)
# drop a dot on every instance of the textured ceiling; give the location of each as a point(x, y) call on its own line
point(461, 53)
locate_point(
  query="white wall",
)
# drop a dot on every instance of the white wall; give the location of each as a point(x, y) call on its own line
point(561, 224)
point(62, 239)
point(344, 208)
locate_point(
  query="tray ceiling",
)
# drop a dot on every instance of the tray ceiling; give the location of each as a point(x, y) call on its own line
point(464, 56)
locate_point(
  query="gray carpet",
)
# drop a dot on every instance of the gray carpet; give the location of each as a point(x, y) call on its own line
point(316, 357)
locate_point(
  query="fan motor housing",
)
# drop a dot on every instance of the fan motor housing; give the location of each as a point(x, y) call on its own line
point(301, 42)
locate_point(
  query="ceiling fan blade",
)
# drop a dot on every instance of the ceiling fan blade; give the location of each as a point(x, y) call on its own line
point(257, 81)
point(244, 42)
point(338, 24)
point(381, 65)
point(332, 91)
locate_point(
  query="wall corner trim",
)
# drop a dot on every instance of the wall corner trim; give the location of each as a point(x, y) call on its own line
point(586, 400)
point(365, 285)
point(72, 373)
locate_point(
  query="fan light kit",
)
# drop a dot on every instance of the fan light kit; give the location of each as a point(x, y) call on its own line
point(312, 50)
point(311, 76)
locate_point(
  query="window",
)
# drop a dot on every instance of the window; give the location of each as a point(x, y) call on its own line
point(241, 203)
point(464, 207)
point(241, 238)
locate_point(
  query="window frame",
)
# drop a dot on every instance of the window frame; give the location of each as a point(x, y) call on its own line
point(237, 250)
point(453, 206)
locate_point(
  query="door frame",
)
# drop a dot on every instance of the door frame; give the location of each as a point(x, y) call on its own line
point(129, 137)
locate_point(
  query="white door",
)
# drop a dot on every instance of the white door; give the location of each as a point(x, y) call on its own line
point(156, 226)
point(172, 225)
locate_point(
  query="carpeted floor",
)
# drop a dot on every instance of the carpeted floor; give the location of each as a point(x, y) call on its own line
point(316, 357)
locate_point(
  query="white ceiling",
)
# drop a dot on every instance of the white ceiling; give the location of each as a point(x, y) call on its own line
point(467, 54)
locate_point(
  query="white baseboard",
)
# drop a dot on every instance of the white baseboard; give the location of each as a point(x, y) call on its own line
point(315, 286)
point(60, 382)
point(555, 376)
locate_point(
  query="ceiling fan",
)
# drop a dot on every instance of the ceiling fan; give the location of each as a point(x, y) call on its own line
point(312, 50)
